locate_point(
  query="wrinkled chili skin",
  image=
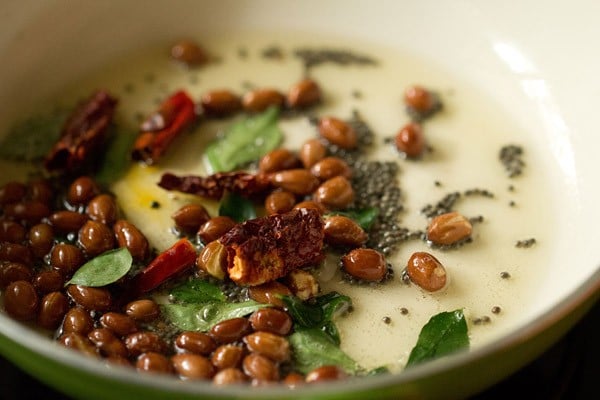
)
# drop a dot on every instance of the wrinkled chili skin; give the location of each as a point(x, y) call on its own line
point(214, 186)
point(264, 249)
point(83, 134)
point(167, 264)
point(162, 127)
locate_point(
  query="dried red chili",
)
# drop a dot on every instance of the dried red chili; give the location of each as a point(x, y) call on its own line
point(264, 249)
point(213, 186)
point(163, 126)
point(82, 134)
point(166, 265)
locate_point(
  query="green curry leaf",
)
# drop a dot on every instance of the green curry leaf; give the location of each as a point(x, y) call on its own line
point(32, 138)
point(445, 333)
point(197, 291)
point(303, 314)
point(245, 141)
point(313, 348)
point(203, 316)
point(237, 207)
point(104, 269)
point(117, 157)
point(364, 217)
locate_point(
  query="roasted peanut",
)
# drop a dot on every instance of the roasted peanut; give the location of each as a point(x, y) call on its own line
point(48, 281)
point(78, 320)
point(297, 181)
point(107, 342)
point(103, 209)
point(154, 362)
point(260, 368)
point(410, 140)
point(143, 342)
point(118, 323)
point(418, 98)
point(269, 293)
point(82, 190)
point(293, 380)
point(325, 373)
point(342, 231)
point(313, 205)
point(67, 221)
point(40, 190)
point(335, 193)
point(268, 344)
point(53, 308)
point(41, 239)
point(213, 259)
point(271, 320)
point(188, 53)
point(11, 272)
point(29, 212)
point(66, 258)
point(338, 132)
point(20, 300)
point(311, 152)
point(190, 217)
point(227, 356)
point(144, 310)
point(303, 94)
point(129, 236)
point(365, 264)
point(449, 228)
point(76, 341)
point(91, 298)
point(302, 284)
point(12, 192)
point(230, 330)
point(95, 238)
point(330, 167)
point(214, 228)
point(220, 103)
point(260, 99)
point(229, 376)
point(426, 271)
point(279, 202)
point(195, 342)
point(278, 160)
point(12, 232)
point(15, 252)
point(192, 366)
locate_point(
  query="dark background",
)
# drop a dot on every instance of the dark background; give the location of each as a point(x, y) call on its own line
point(568, 370)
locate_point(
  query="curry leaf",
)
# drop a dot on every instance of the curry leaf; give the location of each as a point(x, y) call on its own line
point(245, 141)
point(445, 333)
point(237, 207)
point(364, 217)
point(202, 317)
point(197, 291)
point(303, 314)
point(104, 269)
point(313, 348)
point(32, 138)
point(117, 156)
point(333, 304)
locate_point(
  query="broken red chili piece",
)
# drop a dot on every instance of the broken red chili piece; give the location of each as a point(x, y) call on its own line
point(214, 186)
point(264, 249)
point(166, 265)
point(162, 127)
point(83, 133)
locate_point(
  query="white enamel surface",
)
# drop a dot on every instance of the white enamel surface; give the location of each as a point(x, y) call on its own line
point(533, 60)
